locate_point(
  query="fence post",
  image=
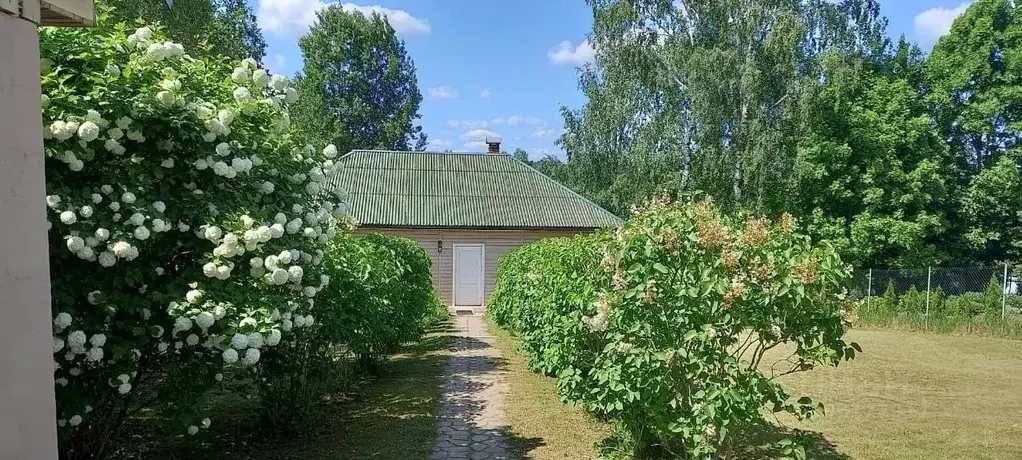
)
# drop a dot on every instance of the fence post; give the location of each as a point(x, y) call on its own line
point(869, 289)
point(928, 271)
point(1004, 291)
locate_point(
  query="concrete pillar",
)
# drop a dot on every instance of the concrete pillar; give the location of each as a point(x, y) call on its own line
point(28, 427)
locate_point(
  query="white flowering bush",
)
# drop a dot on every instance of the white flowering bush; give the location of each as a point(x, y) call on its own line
point(185, 225)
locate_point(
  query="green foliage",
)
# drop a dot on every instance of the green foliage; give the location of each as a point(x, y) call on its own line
point(967, 305)
point(991, 207)
point(380, 295)
point(227, 26)
point(358, 86)
point(912, 301)
point(890, 298)
point(938, 305)
point(662, 325)
point(992, 302)
point(872, 169)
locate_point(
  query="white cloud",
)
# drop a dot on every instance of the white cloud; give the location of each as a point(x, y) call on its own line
point(276, 62)
point(485, 94)
point(933, 23)
point(543, 133)
point(515, 120)
point(440, 142)
point(479, 135)
point(475, 144)
point(565, 54)
point(442, 92)
point(294, 16)
point(470, 124)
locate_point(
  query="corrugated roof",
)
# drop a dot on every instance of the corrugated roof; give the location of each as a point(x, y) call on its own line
point(459, 190)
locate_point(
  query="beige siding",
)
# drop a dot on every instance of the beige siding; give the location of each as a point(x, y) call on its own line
point(496, 243)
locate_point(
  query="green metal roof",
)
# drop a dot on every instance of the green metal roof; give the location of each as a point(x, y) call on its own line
point(459, 190)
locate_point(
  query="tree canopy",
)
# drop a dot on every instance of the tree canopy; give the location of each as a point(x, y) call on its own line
point(227, 26)
point(358, 86)
point(897, 158)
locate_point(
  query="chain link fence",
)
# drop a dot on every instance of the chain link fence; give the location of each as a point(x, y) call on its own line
point(948, 296)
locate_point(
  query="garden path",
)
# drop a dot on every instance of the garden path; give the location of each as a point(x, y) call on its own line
point(471, 420)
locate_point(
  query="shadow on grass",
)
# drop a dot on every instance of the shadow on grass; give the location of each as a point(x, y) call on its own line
point(390, 415)
point(755, 444)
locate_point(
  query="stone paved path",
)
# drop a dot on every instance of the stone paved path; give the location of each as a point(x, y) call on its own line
point(471, 420)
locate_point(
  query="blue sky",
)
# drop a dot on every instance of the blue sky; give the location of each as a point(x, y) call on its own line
point(505, 67)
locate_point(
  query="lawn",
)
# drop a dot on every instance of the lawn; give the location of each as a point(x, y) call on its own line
point(909, 395)
point(913, 395)
point(542, 427)
point(391, 415)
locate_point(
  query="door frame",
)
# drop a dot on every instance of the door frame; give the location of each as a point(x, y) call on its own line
point(454, 271)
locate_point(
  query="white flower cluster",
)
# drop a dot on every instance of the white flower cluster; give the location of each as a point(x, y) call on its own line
point(143, 188)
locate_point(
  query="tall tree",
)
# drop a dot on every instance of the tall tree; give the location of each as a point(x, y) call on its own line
point(975, 76)
point(872, 169)
point(701, 94)
point(358, 88)
point(227, 26)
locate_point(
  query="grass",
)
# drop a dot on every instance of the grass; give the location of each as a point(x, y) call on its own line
point(389, 416)
point(913, 395)
point(909, 395)
point(541, 426)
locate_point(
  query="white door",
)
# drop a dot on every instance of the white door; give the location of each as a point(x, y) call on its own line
point(468, 274)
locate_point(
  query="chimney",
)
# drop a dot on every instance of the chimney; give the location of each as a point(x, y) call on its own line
point(492, 145)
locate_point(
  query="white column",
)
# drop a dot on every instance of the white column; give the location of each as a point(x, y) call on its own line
point(27, 408)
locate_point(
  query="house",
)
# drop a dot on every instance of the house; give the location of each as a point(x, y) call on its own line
point(465, 209)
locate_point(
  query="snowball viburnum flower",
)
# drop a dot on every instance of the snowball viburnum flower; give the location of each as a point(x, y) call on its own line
point(182, 323)
point(251, 356)
point(239, 341)
point(230, 356)
point(261, 78)
point(255, 340)
point(68, 217)
point(76, 339)
point(204, 320)
point(279, 276)
point(242, 94)
point(88, 131)
point(272, 338)
point(98, 340)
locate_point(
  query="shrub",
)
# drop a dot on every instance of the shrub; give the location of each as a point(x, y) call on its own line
point(542, 292)
point(992, 303)
point(890, 299)
point(379, 295)
point(966, 305)
point(668, 320)
point(186, 225)
point(912, 301)
point(938, 308)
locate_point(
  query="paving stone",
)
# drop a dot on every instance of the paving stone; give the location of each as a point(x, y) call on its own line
point(471, 417)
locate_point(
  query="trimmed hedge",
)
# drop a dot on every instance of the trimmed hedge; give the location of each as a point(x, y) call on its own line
point(662, 325)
